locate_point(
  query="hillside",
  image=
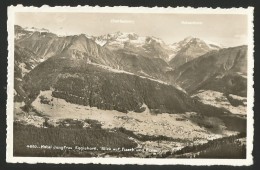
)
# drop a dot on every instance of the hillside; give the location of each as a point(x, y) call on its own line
point(223, 71)
point(43, 43)
point(141, 65)
point(89, 84)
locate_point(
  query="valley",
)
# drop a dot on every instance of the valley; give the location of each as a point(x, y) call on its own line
point(155, 133)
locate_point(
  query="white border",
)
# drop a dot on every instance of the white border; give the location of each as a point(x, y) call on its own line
point(141, 161)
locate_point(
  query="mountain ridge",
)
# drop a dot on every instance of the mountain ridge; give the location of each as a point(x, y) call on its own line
point(148, 46)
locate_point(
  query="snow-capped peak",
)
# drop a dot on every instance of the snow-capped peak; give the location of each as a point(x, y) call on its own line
point(158, 40)
point(212, 45)
point(123, 37)
point(88, 36)
point(33, 29)
point(118, 35)
point(190, 40)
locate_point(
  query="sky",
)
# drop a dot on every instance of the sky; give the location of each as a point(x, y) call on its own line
point(226, 29)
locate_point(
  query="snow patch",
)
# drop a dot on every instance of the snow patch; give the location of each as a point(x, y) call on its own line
point(23, 69)
point(242, 75)
point(36, 29)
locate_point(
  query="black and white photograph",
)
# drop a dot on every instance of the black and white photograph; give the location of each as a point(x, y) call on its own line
point(138, 85)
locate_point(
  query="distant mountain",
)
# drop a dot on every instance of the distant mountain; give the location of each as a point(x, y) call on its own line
point(41, 42)
point(223, 71)
point(139, 54)
point(21, 33)
point(176, 54)
point(82, 48)
point(148, 46)
point(189, 49)
point(46, 44)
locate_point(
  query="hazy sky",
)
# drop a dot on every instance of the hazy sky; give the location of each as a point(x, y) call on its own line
point(228, 30)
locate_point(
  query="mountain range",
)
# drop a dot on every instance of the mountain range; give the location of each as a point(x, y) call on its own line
point(122, 71)
point(148, 46)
